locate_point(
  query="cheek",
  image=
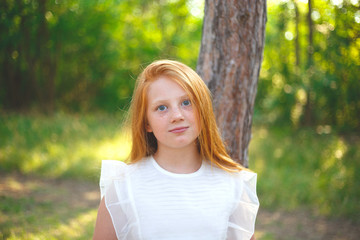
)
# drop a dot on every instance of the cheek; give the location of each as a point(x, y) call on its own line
point(156, 122)
point(194, 117)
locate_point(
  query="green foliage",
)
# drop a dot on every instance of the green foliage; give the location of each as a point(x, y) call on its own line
point(319, 85)
point(84, 55)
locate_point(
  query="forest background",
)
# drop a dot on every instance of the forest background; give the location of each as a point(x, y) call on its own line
point(68, 68)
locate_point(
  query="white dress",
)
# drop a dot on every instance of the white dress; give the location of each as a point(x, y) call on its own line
point(147, 202)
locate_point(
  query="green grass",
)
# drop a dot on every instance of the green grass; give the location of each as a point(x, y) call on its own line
point(26, 218)
point(296, 169)
point(61, 145)
point(305, 169)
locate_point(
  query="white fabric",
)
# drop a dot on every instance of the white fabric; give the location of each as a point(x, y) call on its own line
point(147, 202)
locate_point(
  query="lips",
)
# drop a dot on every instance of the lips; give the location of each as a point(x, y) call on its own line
point(178, 130)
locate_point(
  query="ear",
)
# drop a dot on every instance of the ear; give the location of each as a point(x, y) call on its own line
point(148, 128)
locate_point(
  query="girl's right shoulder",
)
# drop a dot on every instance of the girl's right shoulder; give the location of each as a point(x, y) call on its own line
point(111, 170)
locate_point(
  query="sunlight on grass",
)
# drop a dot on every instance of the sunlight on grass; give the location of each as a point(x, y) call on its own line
point(260, 235)
point(14, 184)
point(80, 227)
point(305, 168)
point(117, 148)
point(63, 145)
point(85, 154)
point(34, 208)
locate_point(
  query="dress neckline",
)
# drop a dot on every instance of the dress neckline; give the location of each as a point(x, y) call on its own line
point(177, 175)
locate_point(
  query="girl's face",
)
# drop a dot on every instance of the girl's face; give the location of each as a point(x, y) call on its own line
point(171, 116)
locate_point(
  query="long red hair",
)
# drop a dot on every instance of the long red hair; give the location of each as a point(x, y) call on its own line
point(211, 146)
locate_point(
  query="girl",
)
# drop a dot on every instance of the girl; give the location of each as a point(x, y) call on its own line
point(180, 183)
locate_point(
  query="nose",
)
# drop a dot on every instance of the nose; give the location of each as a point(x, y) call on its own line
point(177, 115)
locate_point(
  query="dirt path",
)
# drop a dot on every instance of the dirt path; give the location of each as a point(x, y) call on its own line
point(299, 225)
point(277, 225)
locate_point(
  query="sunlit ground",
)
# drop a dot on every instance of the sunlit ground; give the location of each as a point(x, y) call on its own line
point(80, 227)
point(37, 208)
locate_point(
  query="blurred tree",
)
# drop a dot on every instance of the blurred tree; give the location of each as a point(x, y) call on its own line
point(308, 115)
point(320, 89)
point(229, 62)
point(297, 43)
point(82, 55)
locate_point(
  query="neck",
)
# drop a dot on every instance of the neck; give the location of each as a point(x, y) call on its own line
point(182, 160)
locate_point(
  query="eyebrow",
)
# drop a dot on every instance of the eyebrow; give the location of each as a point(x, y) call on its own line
point(160, 101)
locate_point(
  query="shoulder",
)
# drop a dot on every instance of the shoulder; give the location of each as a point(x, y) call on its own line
point(245, 187)
point(114, 170)
point(241, 175)
point(246, 205)
point(239, 180)
point(111, 170)
point(247, 176)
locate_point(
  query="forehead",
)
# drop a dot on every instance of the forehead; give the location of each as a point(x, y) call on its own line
point(164, 88)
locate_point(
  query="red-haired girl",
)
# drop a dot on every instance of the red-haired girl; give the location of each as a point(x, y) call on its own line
point(180, 182)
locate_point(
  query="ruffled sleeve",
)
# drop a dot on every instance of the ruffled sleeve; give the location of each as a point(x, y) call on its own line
point(110, 170)
point(242, 220)
point(114, 188)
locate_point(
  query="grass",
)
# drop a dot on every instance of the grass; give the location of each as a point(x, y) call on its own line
point(296, 169)
point(303, 168)
point(62, 145)
point(28, 219)
point(43, 209)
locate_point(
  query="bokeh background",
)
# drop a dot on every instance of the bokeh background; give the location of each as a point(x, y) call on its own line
point(67, 71)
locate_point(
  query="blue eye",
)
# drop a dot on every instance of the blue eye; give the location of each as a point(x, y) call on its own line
point(186, 103)
point(161, 108)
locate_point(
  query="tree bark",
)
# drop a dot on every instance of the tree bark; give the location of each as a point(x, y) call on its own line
point(229, 62)
point(297, 36)
point(308, 118)
point(47, 64)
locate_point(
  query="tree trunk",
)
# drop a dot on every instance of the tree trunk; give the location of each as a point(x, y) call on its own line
point(308, 118)
point(47, 63)
point(297, 35)
point(229, 62)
